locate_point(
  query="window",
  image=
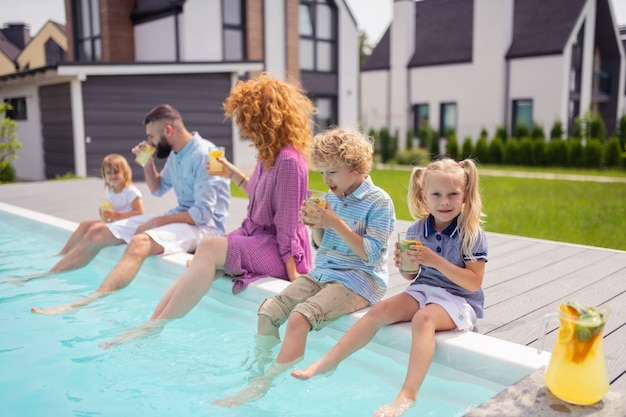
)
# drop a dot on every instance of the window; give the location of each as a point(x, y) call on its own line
point(420, 117)
point(233, 18)
point(447, 119)
point(327, 115)
point(522, 114)
point(18, 108)
point(88, 41)
point(318, 35)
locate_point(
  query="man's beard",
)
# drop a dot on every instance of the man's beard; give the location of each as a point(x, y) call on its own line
point(163, 148)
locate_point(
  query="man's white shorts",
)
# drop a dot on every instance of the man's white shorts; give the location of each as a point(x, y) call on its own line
point(173, 237)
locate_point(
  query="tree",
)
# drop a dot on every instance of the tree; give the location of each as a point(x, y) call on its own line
point(365, 48)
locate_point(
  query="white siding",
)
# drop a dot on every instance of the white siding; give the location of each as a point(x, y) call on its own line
point(155, 41)
point(348, 69)
point(201, 31)
point(374, 99)
point(542, 80)
point(275, 37)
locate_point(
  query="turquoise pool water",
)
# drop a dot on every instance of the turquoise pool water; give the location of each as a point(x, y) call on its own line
point(52, 365)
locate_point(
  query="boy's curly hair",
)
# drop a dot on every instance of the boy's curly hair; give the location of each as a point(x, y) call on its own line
point(273, 114)
point(343, 147)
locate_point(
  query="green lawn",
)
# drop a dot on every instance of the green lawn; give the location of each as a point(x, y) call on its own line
point(588, 213)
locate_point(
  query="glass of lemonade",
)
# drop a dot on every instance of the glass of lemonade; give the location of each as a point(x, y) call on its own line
point(577, 372)
point(216, 167)
point(144, 154)
point(405, 241)
point(104, 206)
point(317, 197)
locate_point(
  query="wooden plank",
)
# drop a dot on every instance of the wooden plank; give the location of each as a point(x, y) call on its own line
point(523, 327)
point(560, 262)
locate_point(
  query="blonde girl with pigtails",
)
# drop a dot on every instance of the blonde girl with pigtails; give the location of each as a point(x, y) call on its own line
point(446, 292)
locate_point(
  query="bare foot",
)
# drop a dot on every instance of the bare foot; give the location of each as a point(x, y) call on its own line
point(395, 409)
point(147, 329)
point(56, 311)
point(310, 371)
point(18, 280)
point(256, 389)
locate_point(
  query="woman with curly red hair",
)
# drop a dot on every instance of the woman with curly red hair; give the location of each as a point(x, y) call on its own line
point(276, 117)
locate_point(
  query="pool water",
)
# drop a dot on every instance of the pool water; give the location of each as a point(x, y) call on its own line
point(52, 365)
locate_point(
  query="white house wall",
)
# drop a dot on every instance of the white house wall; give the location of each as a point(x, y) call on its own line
point(374, 99)
point(348, 69)
point(275, 37)
point(29, 165)
point(201, 31)
point(154, 41)
point(540, 79)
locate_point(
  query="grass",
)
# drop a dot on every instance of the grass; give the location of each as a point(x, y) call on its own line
point(583, 212)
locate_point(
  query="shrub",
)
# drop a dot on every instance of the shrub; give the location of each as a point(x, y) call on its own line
point(537, 132)
point(388, 145)
point(501, 133)
point(597, 128)
point(452, 147)
point(540, 153)
point(577, 133)
point(525, 155)
point(557, 130)
point(434, 144)
point(496, 150)
point(575, 154)
point(557, 152)
point(7, 172)
point(592, 155)
point(621, 127)
point(511, 152)
point(613, 153)
point(415, 157)
point(467, 149)
point(521, 131)
point(481, 152)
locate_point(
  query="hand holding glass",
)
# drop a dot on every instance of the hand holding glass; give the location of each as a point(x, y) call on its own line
point(216, 167)
point(144, 154)
point(104, 206)
point(405, 241)
point(316, 197)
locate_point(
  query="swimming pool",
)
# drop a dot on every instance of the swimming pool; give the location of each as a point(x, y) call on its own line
point(53, 366)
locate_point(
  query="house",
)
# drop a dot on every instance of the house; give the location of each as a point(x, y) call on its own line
point(19, 51)
point(124, 57)
point(472, 64)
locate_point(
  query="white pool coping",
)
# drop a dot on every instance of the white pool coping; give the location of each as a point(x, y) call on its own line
point(496, 360)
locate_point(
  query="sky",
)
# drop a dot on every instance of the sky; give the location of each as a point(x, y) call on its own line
point(373, 16)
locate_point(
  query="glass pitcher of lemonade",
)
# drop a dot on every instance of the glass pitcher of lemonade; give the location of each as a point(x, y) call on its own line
point(577, 369)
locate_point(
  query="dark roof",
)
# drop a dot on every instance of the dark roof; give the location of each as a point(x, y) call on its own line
point(443, 35)
point(543, 27)
point(379, 58)
point(8, 48)
point(443, 32)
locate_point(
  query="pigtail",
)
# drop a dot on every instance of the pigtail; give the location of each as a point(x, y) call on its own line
point(415, 195)
point(471, 217)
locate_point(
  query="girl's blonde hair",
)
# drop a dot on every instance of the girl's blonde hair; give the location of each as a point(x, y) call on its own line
point(273, 114)
point(117, 163)
point(471, 216)
point(343, 147)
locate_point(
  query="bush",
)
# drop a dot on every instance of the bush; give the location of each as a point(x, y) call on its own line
point(621, 131)
point(592, 156)
point(511, 152)
point(525, 155)
point(501, 133)
point(7, 172)
point(415, 157)
point(578, 128)
point(481, 152)
point(613, 153)
point(597, 128)
point(387, 145)
point(467, 149)
point(557, 130)
point(521, 131)
point(496, 150)
point(452, 147)
point(434, 144)
point(540, 153)
point(557, 152)
point(537, 132)
point(575, 154)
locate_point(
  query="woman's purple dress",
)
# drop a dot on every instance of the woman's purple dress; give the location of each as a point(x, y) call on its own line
point(272, 230)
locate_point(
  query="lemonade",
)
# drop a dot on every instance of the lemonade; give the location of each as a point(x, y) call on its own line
point(317, 197)
point(216, 167)
point(144, 154)
point(104, 206)
point(407, 265)
point(577, 369)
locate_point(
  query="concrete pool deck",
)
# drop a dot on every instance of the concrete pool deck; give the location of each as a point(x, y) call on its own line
point(525, 279)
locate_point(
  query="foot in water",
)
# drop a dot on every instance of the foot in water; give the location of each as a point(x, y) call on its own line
point(395, 409)
point(56, 311)
point(26, 278)
point(316, 368)
point(147, 329)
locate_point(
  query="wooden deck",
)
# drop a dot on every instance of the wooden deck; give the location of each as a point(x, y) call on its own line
point(525, 278)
